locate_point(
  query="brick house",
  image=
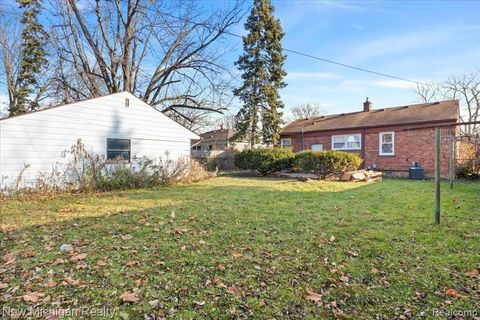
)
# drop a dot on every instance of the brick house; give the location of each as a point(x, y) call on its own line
point(388, 139)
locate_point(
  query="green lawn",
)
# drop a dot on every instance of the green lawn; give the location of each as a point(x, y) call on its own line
point(248, 248)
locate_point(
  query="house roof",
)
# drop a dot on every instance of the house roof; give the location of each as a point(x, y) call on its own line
point(442, 111)
point(214, 136)
point(220, 134)
point(129, 94)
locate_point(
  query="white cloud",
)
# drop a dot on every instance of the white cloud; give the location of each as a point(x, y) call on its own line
point(360, 6)
point(356, 26)
point(398, 44)
point(395, 84)
point(409, 42)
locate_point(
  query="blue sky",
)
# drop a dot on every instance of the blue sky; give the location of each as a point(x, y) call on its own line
point(419, 40)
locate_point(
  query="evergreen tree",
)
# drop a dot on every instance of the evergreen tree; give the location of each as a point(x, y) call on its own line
point(262, 74)
point(33, 56)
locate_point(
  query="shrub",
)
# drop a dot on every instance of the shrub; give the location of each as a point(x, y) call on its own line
point(265, 160)
point(327, 164)
point(93, 173)
point(469, 170)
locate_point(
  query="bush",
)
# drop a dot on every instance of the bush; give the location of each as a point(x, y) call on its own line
point(327, 164)
point(469, 170)
point(93, 173)
point(265, 160)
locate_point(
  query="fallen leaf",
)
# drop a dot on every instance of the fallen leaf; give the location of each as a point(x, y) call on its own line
point(138, 282)
point(51, 284)
point(473, 273)
point(385, 283)
point(32, 297)
point(58, 261)
point(3, 285)
point(199, 303)
point(129, 297)
point(332, 238)
point(237, 255)
point(352, 253)
point(234, 290)
point(9, 258)
point(78, 257)
point(30, 254)
point(220, 267)
point(101, 263)
point(131, 264)
point(172, 215)
point(453, 293)
point(313, 296)
point(179, 231)
point(374, 270)
point(154, 303)
point(127, 237)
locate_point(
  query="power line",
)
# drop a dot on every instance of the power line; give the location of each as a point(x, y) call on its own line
point(341, 64)
point(311, 56)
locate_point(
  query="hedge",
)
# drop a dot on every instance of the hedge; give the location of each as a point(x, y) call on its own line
point(265, 160)
point(327, 164)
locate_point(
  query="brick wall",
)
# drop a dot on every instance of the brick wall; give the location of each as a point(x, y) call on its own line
point(413, 145)
point(410, 145)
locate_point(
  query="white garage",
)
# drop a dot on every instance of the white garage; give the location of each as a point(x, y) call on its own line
point(115, 125)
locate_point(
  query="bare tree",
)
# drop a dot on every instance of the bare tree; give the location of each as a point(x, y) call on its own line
point(160, 51)
point(427, 92)
point(307, 110)
point(464, 87)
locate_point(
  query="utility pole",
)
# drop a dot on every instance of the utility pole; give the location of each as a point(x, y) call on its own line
point(437, 174)
point(452, 161)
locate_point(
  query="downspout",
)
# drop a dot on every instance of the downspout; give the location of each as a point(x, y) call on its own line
point(303, 142)
point(363, 147)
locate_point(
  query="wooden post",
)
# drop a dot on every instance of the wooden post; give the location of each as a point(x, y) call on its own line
point(452, 161)
point(437, 175)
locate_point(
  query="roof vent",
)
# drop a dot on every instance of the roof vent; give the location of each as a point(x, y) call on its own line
point(127, 102)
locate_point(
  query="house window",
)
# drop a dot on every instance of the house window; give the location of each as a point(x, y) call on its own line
point(347, 142)
point(118, 149)
point(317, 147)
point(386, 144)
point(286, 143)
point(210, 147)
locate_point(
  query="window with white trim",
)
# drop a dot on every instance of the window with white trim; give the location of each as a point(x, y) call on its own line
point(286, 143)
point(317, 147)
point(386, 143)
point(347, 142)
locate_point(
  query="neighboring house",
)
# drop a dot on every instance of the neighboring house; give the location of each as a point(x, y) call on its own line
point(215, 143)
point(115, 125)
point(388, 139)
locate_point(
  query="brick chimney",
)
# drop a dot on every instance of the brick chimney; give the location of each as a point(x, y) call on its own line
point(367, 105)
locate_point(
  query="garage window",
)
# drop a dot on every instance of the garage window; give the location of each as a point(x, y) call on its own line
point(317, 147)
point(118, 149)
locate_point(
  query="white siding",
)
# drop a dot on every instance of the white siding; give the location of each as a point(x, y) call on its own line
point(43, 139)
